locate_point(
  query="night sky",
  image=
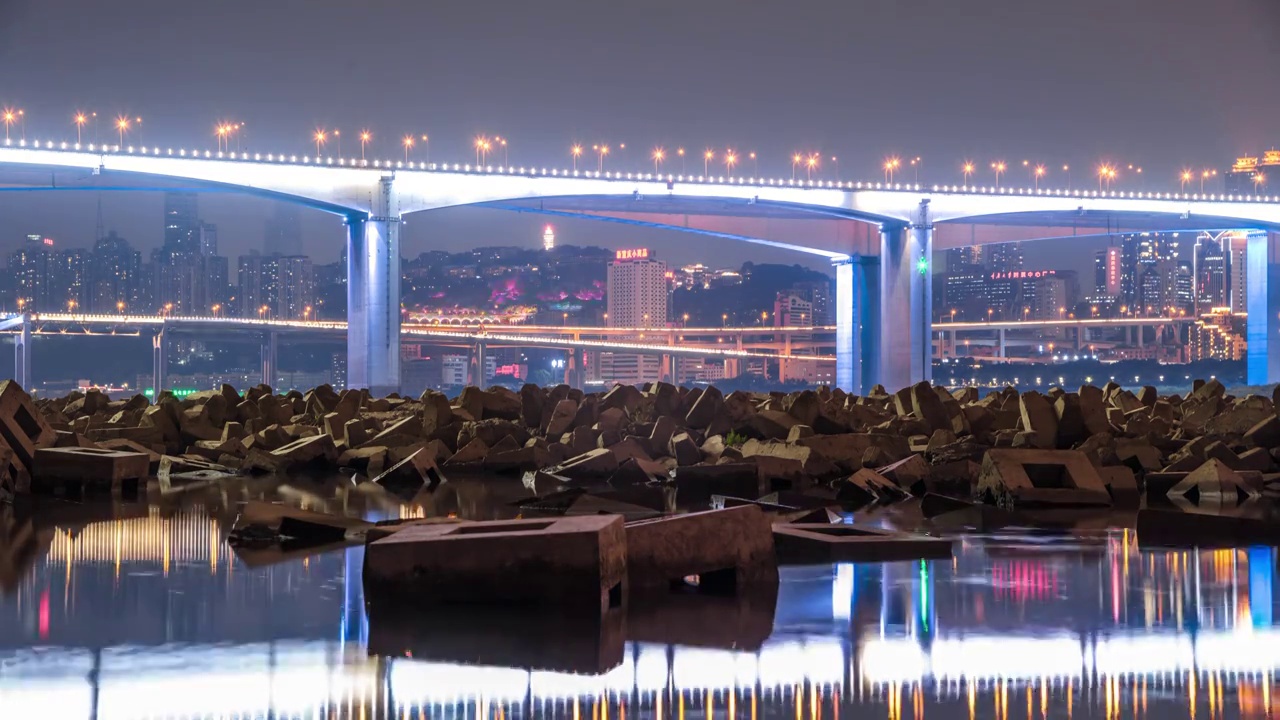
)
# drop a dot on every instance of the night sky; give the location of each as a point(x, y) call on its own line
point(1164, 84)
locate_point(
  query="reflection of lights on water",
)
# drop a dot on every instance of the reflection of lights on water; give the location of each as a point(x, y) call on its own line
point(190, 536)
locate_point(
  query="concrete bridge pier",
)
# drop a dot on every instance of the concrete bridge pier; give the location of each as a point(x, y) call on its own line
point(373, 294)
point(475, 365)
point(906, 301)
point(159, 362)
point(1262, 300)
point(22, 354)
point(857, 323)
point(270, 353)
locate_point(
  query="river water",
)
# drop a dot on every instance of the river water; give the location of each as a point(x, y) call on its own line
point(143, 611)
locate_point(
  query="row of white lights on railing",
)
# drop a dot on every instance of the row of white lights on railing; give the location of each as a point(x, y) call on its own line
point(653, 177)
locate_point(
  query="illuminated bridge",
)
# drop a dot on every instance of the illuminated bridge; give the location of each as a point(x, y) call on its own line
point(879, 236)
point(777, 343)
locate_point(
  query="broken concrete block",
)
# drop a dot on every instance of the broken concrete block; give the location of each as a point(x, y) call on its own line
point(88, 468)
point(417, 471)
point(1213, 488)
point(572, 563)
point(685, 450)
point(22, 430)
point(471, 453)
point(562, 418)
point(1121, 483)
point(317, 449)
point(707, 407)
point(1042, 477)
point(1038, 416)
point(927, 406)
point(908, 473)
point(808, 543)
point(1265, 433)
point(597, 463)
point(867, 487)
point(729, 550)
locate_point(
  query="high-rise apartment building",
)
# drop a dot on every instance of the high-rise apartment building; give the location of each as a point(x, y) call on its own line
point(33, 267)
point(1107, 273)
point(115, 274)
point(1210, 276)
point(181, 223)
point(637, 290)
point(276, 286)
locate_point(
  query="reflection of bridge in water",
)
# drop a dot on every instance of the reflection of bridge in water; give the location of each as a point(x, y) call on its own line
point(1099, 628)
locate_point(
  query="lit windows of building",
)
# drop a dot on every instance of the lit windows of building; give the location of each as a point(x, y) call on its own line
point(637, 290)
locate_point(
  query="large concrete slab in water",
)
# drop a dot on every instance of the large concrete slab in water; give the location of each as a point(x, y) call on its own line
point(577, 563)
point(727, 549)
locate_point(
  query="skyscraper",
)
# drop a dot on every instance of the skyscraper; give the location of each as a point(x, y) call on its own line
point(1107, 273)
point(276, 286)
point(208, 239)
point(637, 289)
point(33, 267)
point(114, 275)
point(1209, 272)
point(181, 223)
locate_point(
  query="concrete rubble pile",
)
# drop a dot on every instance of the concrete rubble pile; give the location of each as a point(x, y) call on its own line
point(1201, 454)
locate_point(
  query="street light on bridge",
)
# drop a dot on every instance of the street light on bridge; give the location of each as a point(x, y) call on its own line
point(967, 169)
point(1205, 176)
point(730, 159)
point(576, 152)
point(891, 166)
point(680, 153)
point(1039, 173)
point(796, 159)
point(658, 156)
point(706, 162)
point(320, 137)
point(483, 145)
point(810, 165)
point(1186, 178)
point(755, 164)
point(601, 151)
point(1259, 179)
point(408, 145)
point(999, 167)
point(916, 162)
point(80, 119)
point(365, 137)
point(10, 117)
point(122, 125)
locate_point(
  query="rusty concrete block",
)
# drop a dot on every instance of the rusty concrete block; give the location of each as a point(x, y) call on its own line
point(728, 550)
point(571, 563)
point(1042, 477)
point(853, 543)
point(22, 431)
point(90, 468)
